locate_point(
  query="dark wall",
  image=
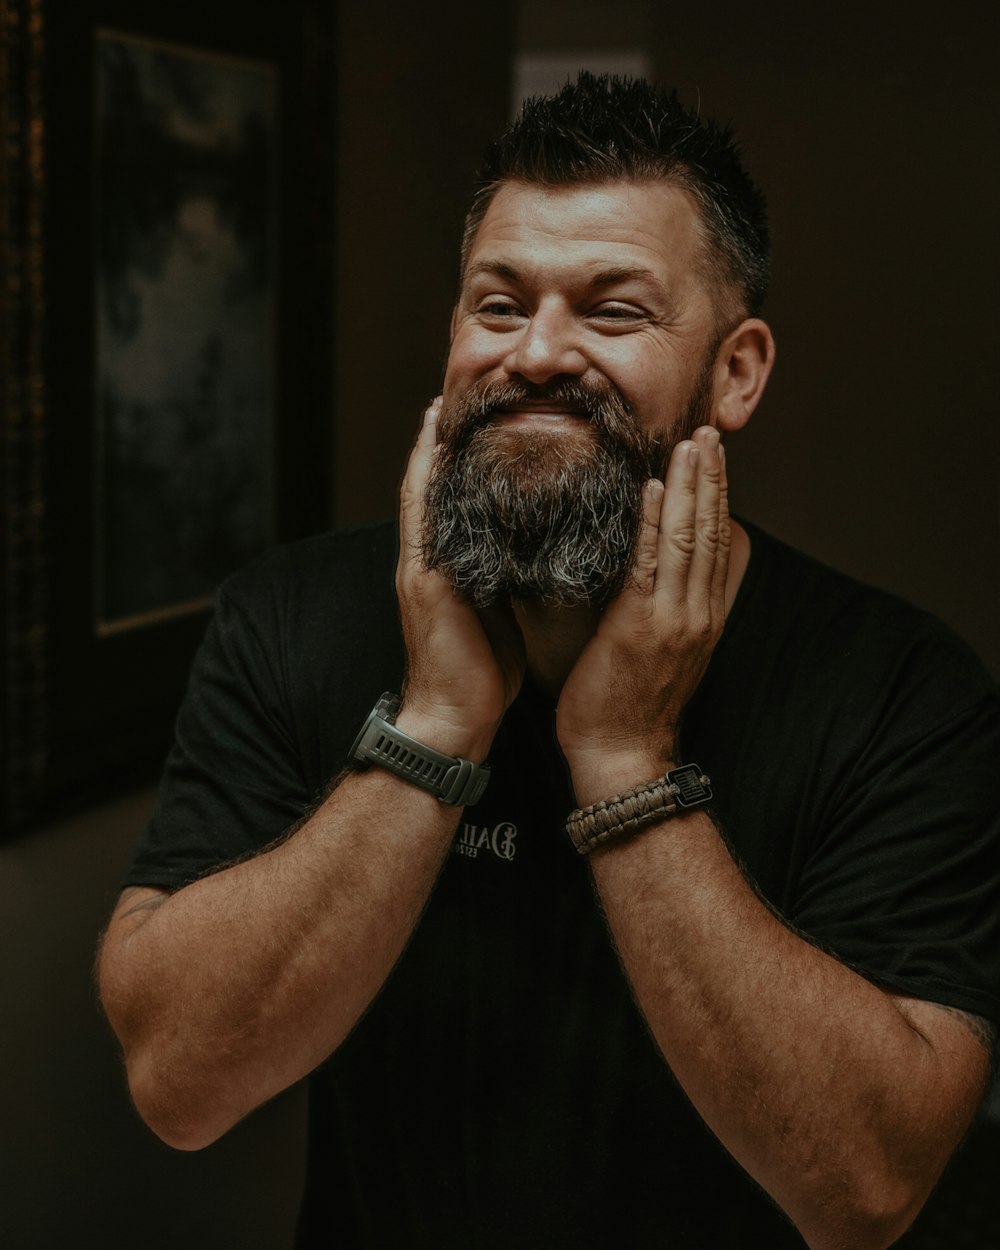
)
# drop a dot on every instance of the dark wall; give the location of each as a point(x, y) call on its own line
point(418, 101)
point(78, 1170)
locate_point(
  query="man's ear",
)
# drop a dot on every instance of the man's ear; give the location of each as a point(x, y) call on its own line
point(742, 367)
point(452, 324)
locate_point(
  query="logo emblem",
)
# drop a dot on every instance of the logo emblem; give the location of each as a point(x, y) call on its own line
point(498, 841)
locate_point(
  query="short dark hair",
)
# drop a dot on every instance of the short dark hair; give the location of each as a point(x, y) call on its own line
point(605, 128)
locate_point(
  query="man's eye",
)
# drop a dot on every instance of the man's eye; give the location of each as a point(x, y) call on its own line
point(498, 308)
point(618, 312)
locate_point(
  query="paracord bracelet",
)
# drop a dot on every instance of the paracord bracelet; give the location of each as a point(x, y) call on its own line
point(678, 790)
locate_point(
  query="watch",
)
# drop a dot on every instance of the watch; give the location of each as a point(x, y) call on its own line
point(453, 780)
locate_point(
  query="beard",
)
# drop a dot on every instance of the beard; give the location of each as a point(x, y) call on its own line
point(516, 512)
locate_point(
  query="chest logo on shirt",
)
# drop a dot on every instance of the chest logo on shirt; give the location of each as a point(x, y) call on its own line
point(471, 839)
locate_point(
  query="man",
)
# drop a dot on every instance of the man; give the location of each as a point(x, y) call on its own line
point(763, 1022)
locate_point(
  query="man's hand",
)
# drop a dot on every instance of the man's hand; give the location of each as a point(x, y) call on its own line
point(463, 668)
point(620, 708)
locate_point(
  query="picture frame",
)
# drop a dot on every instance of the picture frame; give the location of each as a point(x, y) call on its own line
point(166, 295)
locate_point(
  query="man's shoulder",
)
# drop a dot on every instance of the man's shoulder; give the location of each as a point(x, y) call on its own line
point(814, 619)
point(333, 590)
point(329, 566)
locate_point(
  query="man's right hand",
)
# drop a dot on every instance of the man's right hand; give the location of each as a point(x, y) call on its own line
point(464, 668)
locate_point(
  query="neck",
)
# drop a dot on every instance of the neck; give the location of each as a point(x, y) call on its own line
point(554, 637)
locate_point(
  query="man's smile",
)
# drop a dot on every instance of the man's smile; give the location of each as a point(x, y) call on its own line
point(546, 412)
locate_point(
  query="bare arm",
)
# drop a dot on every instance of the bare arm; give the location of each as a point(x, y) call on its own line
point(842, 1101)
point(236, 986)
point(239, 984)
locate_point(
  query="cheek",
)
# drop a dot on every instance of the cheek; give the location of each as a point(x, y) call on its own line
point(470, 356)
point(635, 375)
point(656, 395)
point(654, 369)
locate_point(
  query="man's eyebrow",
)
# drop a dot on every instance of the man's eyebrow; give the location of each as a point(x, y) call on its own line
point(493, 269)
point(605, 277)
point(626, 273)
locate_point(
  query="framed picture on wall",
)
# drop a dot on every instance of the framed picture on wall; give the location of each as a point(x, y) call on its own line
point(167, 275)
point(185, 265)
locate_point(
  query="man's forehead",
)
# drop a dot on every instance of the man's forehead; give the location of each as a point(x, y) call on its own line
point(621, 225)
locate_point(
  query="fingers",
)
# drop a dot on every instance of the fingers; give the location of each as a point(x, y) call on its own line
point(644, 565)
point(676, 539)
point(718, 587)
point(414, 484)
point(418, 467)
point(705, 553)
point(693, 544)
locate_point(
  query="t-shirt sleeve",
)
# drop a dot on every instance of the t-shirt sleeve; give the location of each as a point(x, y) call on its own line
point(904, 883)
point(233, 782)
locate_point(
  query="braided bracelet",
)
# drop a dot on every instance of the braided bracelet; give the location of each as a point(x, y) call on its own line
point(678, 790)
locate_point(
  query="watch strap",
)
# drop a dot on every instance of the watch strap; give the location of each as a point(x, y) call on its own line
point(454, 780)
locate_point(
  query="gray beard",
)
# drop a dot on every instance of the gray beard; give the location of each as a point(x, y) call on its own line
point(523, 513)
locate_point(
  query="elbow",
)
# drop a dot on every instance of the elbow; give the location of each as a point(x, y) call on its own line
point(177, 1113)
point(890, 1212)
point(183, 1107)
point(177, 1133)
point(872, 1215)
point(168, 1103)
point(877, 1230)
point(174, 1094)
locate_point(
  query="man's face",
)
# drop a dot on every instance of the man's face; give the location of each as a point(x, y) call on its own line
point(582, 351)
point(599, 284)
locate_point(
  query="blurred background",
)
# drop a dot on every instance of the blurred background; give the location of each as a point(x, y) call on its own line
point(873, 132)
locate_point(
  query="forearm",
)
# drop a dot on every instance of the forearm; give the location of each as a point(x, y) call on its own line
point(241, 983)
point(812, 1077)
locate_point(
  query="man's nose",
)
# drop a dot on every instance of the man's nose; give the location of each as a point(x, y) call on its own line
point(547, 347)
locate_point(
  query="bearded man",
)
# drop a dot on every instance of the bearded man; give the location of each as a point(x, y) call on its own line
point(662, 910)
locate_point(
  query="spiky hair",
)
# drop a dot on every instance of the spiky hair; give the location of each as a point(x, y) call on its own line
point(603, 129)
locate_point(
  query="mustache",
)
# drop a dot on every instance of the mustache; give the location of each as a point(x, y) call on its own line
point(603, 405)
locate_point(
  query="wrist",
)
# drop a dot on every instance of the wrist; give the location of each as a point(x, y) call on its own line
point(599, 774)
point(621, 815)
point(453, 779)
point(447, 733)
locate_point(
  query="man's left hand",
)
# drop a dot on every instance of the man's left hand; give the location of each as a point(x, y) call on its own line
point(619, 711)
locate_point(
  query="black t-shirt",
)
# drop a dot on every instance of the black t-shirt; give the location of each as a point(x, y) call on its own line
point(503, 1090)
